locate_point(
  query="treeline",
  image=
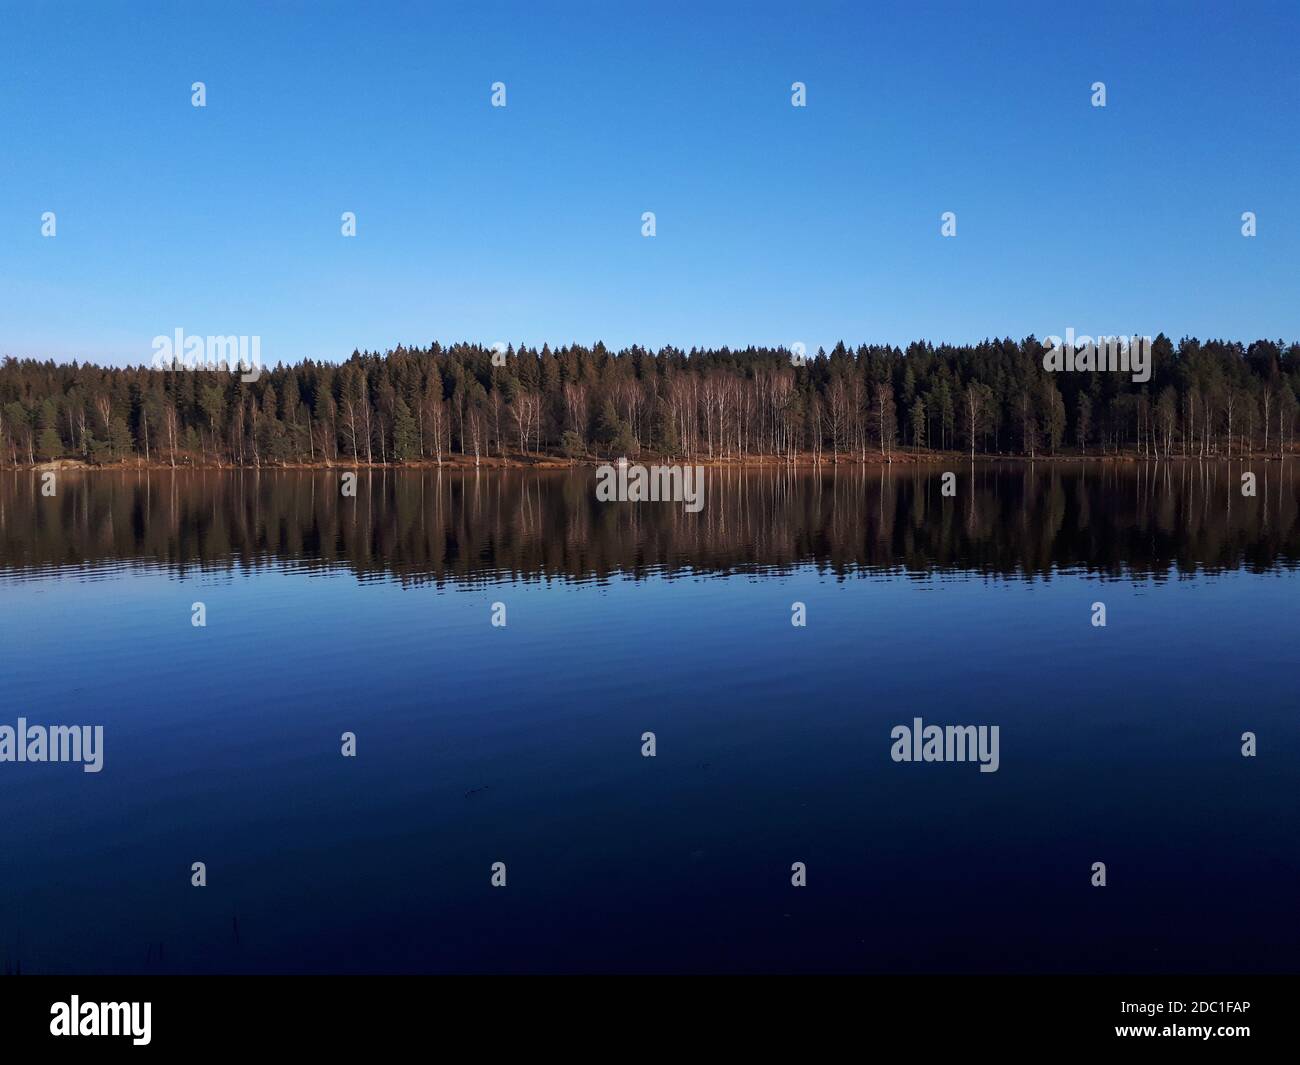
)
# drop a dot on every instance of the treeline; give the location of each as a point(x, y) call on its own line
point(1216, 398)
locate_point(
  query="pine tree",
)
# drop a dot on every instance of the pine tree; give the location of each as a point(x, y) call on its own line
point(406, 438)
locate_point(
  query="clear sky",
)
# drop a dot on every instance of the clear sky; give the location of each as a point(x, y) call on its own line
point(775, 224)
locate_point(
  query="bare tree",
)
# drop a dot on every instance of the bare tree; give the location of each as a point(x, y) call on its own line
point(975, 408)
point(172, 426)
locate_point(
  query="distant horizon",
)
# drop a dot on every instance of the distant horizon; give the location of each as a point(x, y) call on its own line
point(1284, 345)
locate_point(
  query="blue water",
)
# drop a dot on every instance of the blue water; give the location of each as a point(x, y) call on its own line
point(522, 744)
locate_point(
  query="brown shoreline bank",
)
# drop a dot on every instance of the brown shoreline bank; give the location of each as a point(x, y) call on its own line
point(553, 462)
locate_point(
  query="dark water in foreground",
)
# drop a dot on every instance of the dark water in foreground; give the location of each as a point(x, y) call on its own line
point(522, 744)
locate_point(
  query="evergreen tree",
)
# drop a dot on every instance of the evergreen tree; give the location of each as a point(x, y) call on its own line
point(406, 439)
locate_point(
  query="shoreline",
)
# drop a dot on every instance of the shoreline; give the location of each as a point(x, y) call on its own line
point(550, 462)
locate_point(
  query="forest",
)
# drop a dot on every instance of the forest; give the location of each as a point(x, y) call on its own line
point(471, 404)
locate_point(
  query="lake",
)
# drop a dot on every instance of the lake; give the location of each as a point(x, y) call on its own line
point(522, 743)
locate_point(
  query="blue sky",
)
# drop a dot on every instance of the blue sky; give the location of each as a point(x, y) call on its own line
point(775, 224)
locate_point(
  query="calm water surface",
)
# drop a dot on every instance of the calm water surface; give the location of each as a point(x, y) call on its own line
point(521, 744)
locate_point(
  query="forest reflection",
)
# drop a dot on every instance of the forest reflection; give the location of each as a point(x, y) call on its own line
point(1009, 520)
